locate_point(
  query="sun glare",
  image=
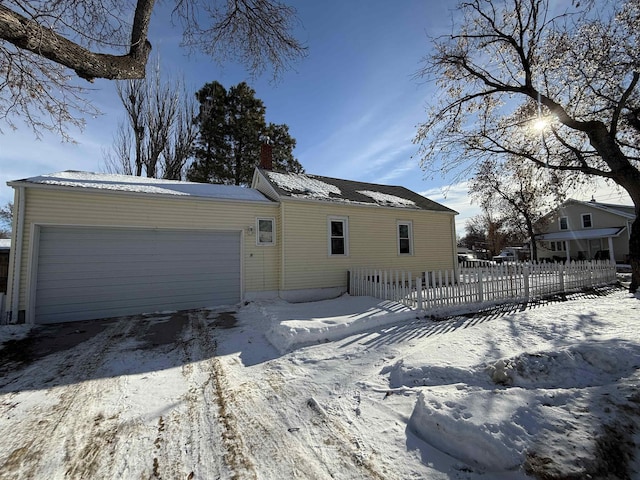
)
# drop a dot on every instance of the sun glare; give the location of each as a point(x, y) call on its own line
point(540, 124)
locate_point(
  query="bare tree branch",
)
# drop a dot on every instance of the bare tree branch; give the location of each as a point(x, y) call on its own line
point(46, 44)
point(29, 35)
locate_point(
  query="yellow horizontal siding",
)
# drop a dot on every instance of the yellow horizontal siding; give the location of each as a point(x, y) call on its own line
point(49, 206)
point(372, 242)
point(299, 260)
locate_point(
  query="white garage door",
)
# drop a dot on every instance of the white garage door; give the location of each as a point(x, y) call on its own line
point(87, 273)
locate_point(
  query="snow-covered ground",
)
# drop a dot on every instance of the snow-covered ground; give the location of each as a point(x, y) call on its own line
point(347, 388)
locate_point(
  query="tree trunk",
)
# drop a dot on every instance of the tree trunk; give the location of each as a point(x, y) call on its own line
point(634, 250)
point(532, 237)
point(632, 186)
point(627, 176)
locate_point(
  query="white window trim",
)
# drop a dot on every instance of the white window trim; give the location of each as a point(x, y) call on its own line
point(409, 223)
point(273, 232)
point(345, 222)
point(560, 223)
point(582, 215)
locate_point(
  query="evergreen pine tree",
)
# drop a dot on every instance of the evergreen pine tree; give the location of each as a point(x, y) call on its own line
point(232, 123)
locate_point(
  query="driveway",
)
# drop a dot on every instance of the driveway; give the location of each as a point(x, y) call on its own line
point(134, 397)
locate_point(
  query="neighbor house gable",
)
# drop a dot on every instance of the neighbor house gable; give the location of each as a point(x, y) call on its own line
point(580, 230)
point(571, 214)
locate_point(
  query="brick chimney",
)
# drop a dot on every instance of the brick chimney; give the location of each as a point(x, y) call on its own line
point(266, 156)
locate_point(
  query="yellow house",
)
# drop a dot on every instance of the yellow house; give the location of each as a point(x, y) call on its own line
point(91, 245)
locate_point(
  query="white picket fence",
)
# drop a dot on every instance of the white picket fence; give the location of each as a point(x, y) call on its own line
point(512, 281)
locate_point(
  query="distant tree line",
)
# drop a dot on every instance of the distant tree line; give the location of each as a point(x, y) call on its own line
point(6, 217)
point(212, 137)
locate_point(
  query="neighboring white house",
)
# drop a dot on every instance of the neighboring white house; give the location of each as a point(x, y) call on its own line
point(90, 245)
point(579, 230)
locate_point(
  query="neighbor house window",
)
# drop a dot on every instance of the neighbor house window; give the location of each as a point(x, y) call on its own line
point(586, 220)
point(338, 236)
point(558, 246)
point(404, 238)
point(564, 223)
point(266, 231)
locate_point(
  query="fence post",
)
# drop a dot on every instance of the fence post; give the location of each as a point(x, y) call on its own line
point(525, 277)
point(427, 289)
point(419, 292)
point(561, 276)
point(480, 286)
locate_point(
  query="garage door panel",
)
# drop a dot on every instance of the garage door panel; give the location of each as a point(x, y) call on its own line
point(137, 268)
point(87, 272)
point(70, 279)
point(121, 306)
point(132, 290)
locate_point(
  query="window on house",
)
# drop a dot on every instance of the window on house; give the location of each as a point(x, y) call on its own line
point(266, 231)
point(338, 236)
point(564, 223)
point(586, 220)
point(404, 238)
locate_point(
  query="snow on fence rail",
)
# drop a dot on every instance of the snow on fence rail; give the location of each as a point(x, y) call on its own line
point(512, 281)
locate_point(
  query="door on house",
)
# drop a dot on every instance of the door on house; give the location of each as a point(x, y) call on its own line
point(594, 247)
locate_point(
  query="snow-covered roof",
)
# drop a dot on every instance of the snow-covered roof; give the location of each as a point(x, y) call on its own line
point(132, 184)
point(316, 187)
point(305, 184)
point(386, 199)
point(5, 243)
point(627, 211)
point(582, 234)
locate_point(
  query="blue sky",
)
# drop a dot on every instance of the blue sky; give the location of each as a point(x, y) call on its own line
point(352, 105)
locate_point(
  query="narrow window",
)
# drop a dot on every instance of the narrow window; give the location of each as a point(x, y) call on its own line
point(586, 220)
point(404, 238)
point(564, 223)
point(338, 236)
point(266, 231)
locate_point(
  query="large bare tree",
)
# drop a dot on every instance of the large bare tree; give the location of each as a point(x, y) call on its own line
point(520, 191)
point(157, 137)
point(559, 88)
point(46, 45)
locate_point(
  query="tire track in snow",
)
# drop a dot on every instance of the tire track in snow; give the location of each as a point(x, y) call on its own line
point(59, 430)
point(295, 440)
point(205, 415)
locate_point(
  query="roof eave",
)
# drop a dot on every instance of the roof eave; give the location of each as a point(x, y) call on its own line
point(348, 203)
point(77, 189)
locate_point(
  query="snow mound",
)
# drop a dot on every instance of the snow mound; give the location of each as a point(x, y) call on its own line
point(292, 325)
point(475, 427)
point(578, 366)
point(527, 411)
point(401, 375)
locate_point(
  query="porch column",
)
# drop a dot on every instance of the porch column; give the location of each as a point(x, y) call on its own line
point(612, 257)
